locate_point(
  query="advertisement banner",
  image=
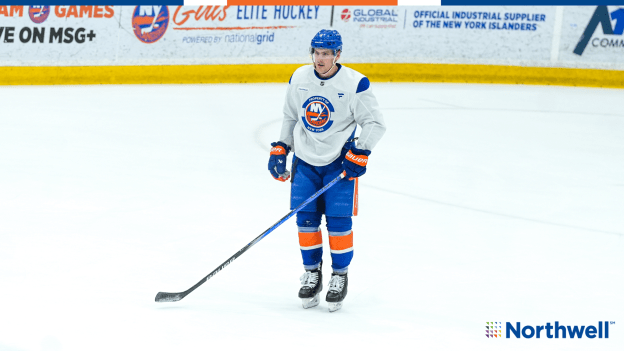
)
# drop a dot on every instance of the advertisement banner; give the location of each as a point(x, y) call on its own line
point(154, 35)
point(502, 35)
point(584, 37)
point(58, 35)
point(220, 34)
point(593, 35)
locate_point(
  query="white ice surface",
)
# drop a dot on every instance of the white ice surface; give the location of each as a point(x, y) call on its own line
point(481, 203)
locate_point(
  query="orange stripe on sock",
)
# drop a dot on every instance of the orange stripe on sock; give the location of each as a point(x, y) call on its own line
point(341, 242)
point(310, 239)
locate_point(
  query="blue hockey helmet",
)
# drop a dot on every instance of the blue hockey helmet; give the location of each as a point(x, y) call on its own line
point(326, 39)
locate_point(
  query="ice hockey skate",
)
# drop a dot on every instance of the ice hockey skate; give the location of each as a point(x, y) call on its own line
point(311, 286)
point(337, 291)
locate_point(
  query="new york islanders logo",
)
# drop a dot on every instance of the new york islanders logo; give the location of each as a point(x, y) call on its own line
point(38, 14)
point(318, 112)
point(150, 23)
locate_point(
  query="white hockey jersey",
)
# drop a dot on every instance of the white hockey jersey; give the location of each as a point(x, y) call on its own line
point(320, 115)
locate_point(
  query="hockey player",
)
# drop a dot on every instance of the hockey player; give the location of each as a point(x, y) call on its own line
point(325, 102)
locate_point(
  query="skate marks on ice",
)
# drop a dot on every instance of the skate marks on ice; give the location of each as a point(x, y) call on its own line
point(267, 129)
point(485, 109)
point(270, 127)
point(455, 107)
point(491, 212)
point(5, 347)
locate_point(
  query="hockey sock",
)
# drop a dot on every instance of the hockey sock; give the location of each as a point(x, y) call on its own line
point(340, 243)
point(310, 239)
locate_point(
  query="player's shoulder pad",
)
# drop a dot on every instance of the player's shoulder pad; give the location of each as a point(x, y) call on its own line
point(300, 74)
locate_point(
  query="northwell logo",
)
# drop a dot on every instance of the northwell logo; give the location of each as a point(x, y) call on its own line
point(493, 329)
point(556, 331)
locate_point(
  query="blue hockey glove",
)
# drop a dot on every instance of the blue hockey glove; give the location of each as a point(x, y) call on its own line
point(355, 162)
point(277, 161)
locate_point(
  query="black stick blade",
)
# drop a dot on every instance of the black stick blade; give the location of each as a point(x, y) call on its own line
point(169, 297)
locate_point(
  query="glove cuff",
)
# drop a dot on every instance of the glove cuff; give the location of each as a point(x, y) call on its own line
point(354, 150)
point(279, 148)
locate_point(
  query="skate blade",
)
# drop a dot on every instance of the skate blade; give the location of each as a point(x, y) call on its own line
point(310, 302)
point(334, 306)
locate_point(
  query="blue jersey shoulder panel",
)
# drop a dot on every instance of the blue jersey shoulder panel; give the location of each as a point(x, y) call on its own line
point(363, 86)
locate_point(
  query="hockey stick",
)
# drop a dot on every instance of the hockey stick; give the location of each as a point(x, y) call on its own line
point(151, 28)
point(172, 297)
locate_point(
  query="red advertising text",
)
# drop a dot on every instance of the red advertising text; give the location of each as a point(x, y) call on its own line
point(208, 13)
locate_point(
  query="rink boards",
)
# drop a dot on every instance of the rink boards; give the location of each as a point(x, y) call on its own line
point(237, 44)
point(266, 73)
